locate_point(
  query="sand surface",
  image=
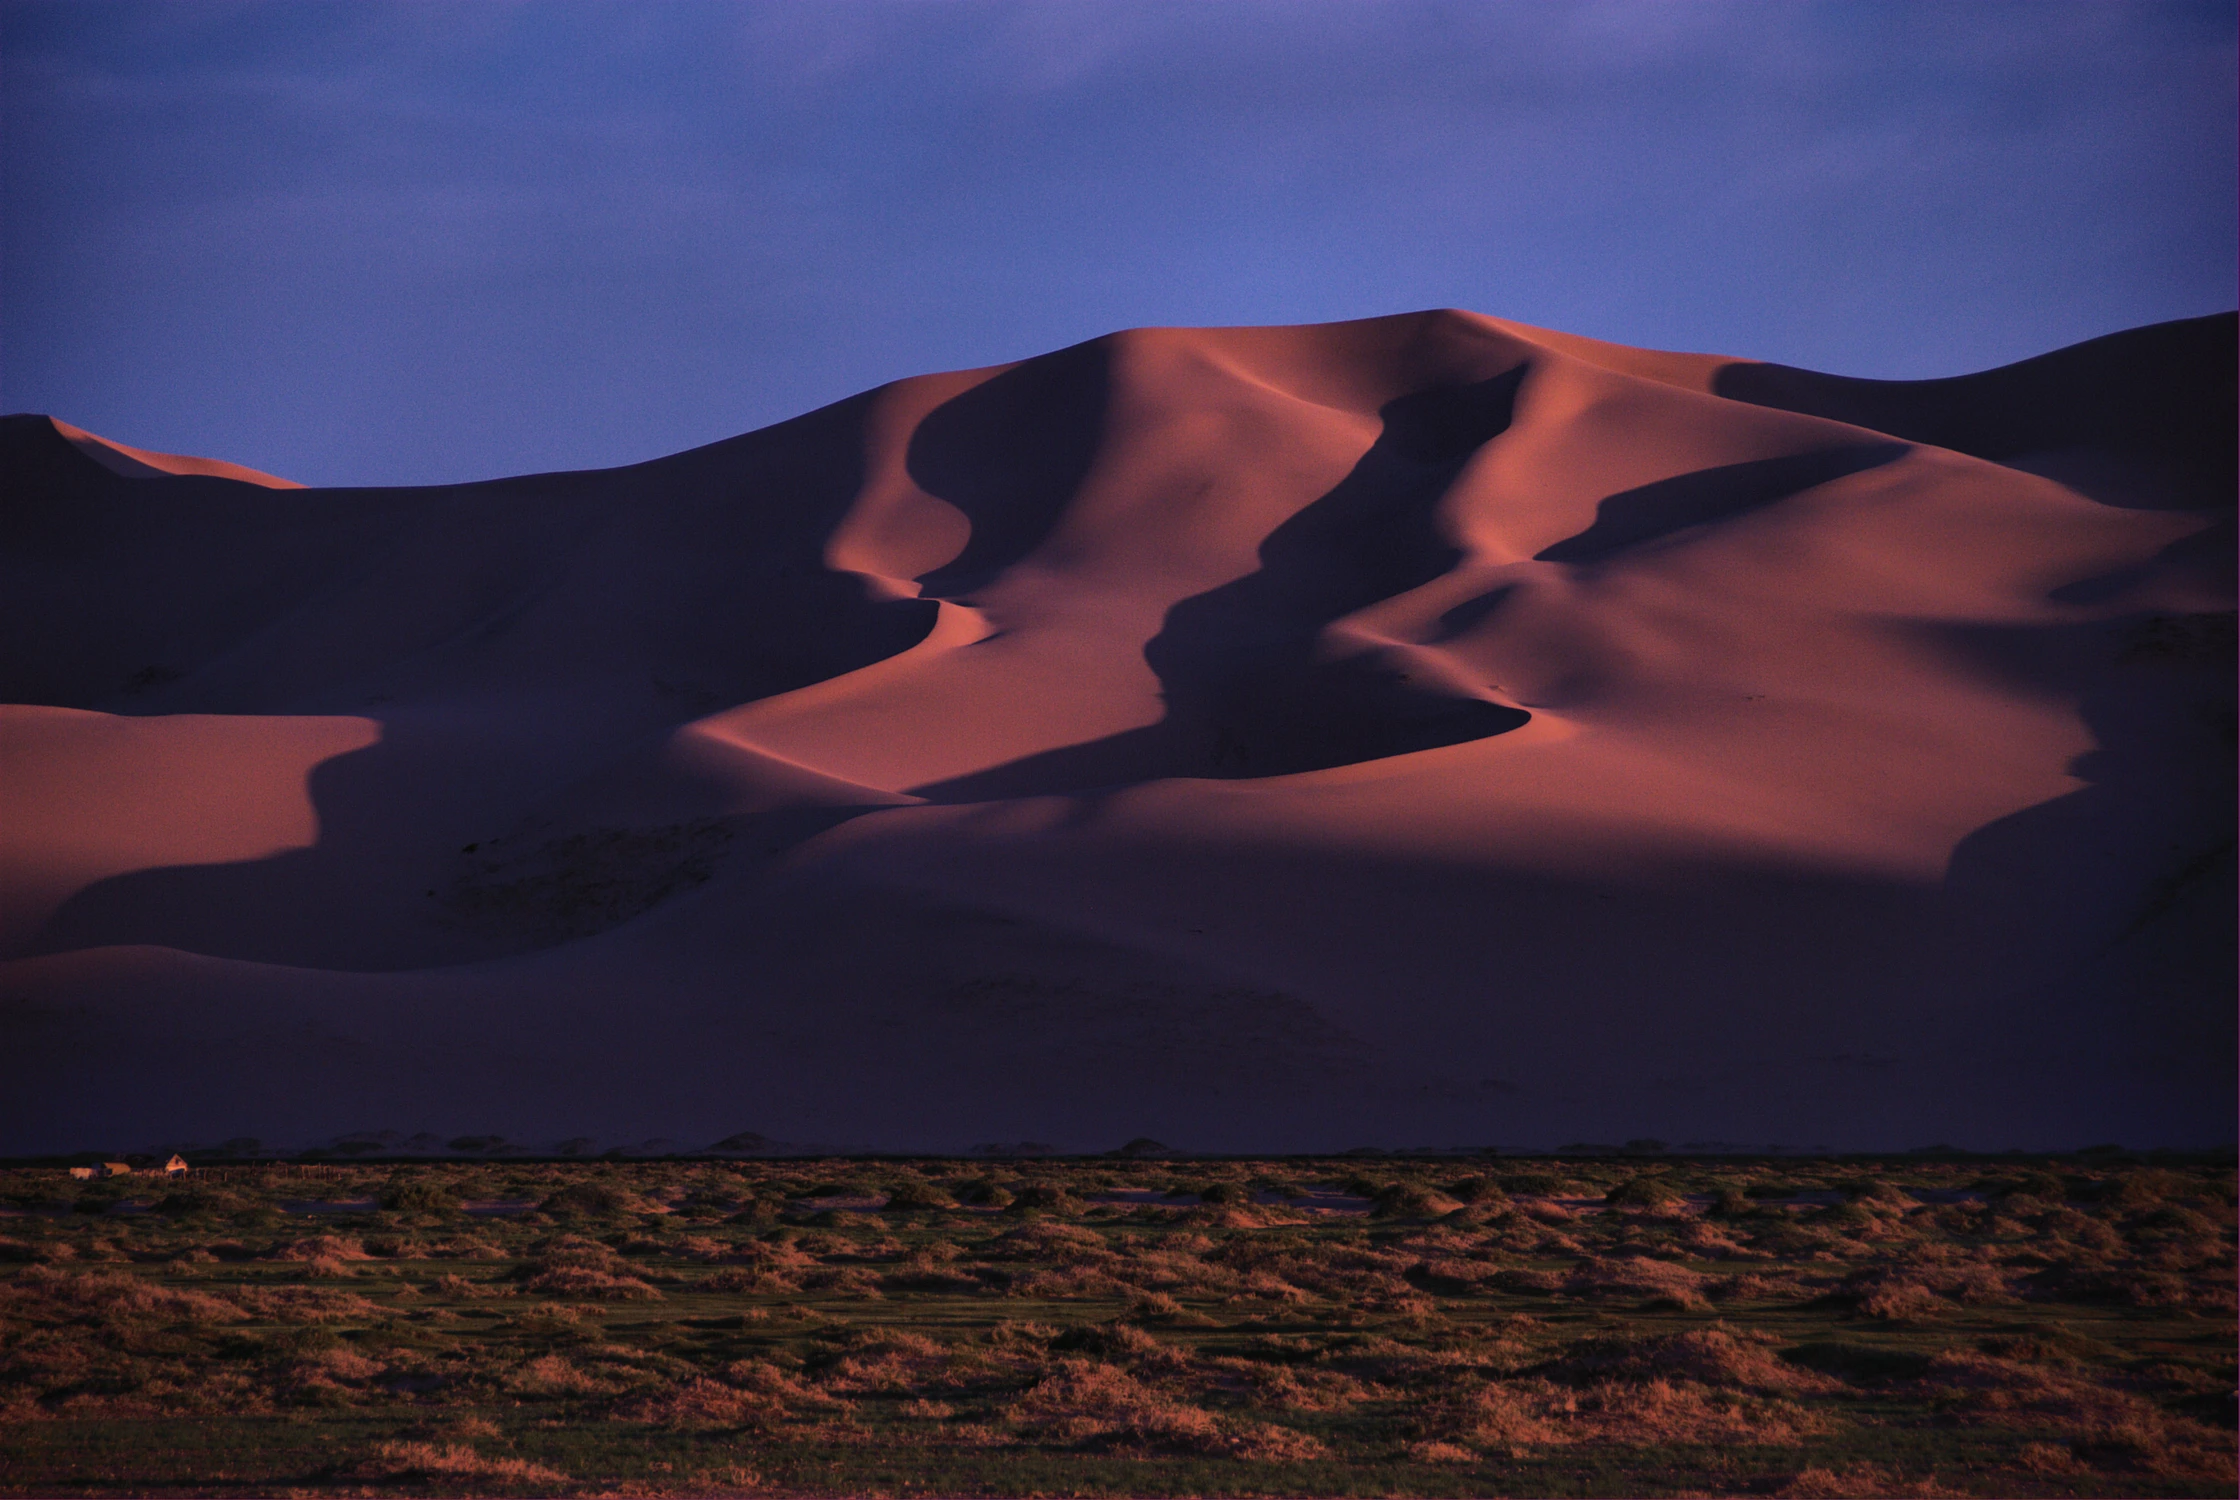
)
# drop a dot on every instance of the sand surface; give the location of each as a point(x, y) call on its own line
point(1428, 730)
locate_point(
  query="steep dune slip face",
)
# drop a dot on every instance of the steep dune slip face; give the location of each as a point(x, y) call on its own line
point(1426, 730)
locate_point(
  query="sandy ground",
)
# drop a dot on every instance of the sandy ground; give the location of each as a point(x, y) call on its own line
point(1422, 731)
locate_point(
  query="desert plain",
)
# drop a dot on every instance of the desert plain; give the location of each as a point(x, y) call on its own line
point(1123, 1325)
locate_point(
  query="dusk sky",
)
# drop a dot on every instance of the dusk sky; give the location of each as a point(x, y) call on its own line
point(365, 242)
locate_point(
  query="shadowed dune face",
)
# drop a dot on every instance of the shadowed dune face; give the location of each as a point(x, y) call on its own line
point(1009, 455)
point(1422, 729)
point(1250, 683)
point(1655, 511)
point(2138, 418)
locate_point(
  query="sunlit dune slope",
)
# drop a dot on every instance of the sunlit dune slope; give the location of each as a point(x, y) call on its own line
point(1429, 729)
point(144, 463)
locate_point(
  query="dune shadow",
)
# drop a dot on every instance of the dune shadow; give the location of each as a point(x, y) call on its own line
point(1248, 692)
point(1009, 454)
point(2154, 821)
point(392, 885)
point(401, 822)
point(1653, 512)
point(2164, 394)
point(2117, 897)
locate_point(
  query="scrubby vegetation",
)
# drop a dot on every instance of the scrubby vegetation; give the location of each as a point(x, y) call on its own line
point(1123, 1326)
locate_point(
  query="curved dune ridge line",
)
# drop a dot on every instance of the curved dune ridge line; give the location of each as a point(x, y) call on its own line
point(145, 463)
point(84, 796)
point(1422, 729)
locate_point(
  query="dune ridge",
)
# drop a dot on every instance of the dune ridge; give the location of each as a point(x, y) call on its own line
point(1428, 729)
point(146, 463)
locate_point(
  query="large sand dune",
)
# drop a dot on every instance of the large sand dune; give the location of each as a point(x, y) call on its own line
point(1427, 730)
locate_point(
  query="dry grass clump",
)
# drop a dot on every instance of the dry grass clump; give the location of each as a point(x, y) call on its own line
point(1703, 1385)
point(845, 1281)
point(917, 1196)
point(1672, 1411)
point(323, 1256)
point(28, 1252)
point(451, 1463)
point(591, 1200)
point(1516, 1416)
point(1713, 1357)
point(1894, 1299)
point(1868, 1481)
point(1507, 1417)
point(452, 1285)
point(702, 1402)
point(1548, 1184)
point(2048, 1338)
point(1658, 1280)
point(1756, 1286)
point(1644, 1191)
point(1158, 1310)
point(589, 1281)
point(930, 1268)
point(1410, 1200)
point(112, 1295)
point(555, 1376)
point(1289, 1388)
point(1086, 1402)
point(2110, 1427)
point(1478, 1192)
point(306, 1305)
point(887, 1361)
point(574, 1267)
point(326, 1377)
point(765, 1268)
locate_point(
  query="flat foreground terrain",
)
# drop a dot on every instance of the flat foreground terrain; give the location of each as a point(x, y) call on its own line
point(1371, 1326)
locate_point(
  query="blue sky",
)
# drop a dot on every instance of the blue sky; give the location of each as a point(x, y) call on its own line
point(368, 242)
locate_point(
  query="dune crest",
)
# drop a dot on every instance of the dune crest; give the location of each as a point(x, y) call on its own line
point(146, 463)
point(1421, 729)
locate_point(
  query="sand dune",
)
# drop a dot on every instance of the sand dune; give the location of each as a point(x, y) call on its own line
point(145, 463)
point(1425, 730)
